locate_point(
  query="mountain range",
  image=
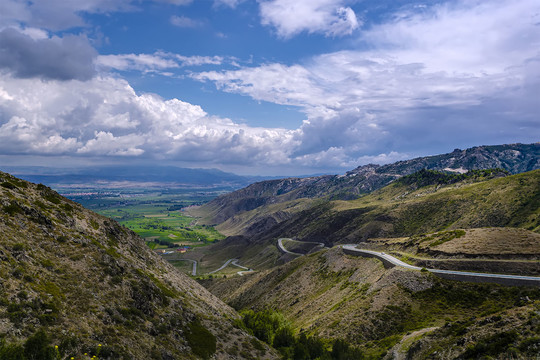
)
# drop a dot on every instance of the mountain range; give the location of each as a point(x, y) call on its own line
point(300, 193)
point(77, 284)
point(428, 212)
point(158, 174)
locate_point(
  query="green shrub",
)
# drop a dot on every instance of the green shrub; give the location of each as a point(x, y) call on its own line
point(37, 347)
point(493, 345)
point(11, 352)
point(13, 208)
point(8, 185)
point(201, 341)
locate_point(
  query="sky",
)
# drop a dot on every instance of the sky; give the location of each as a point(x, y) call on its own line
point(264, 87)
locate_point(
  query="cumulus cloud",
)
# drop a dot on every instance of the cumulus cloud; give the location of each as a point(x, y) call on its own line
point(70, 57)
point(425, 78)
point(105, 117)
point(289, 18)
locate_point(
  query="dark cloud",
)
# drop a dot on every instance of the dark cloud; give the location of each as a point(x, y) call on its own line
point(67, 58)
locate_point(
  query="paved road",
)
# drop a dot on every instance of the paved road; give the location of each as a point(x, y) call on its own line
point(235, 263)
point(223, 266)
point(282, 248)
point(194, 270)
point(532, 280)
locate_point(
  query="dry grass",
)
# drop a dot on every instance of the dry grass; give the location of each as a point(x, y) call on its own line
point(494, 241)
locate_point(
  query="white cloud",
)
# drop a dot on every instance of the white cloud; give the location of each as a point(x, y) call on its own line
point(290, 18)
point(64, 14)
point(57, 14)
point(277, 83)
point(139, 62)
point(199, 60)
point(105, 143)
point(184, 21)
point(230, 3)
point(455, 72)
point(176, 2)
point(158, 62)
point(105, 117)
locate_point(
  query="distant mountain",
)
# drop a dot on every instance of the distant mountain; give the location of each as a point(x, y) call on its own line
point(514, 158)
point(148, 174)
point(74, 282)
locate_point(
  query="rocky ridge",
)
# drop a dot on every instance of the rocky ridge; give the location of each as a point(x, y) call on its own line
point(514, 158)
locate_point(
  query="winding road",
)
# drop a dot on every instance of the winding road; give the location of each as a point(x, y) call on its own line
point(235, 263)
point(456, 275)
point(194, 270)
point(223, 266)
point(282, 248)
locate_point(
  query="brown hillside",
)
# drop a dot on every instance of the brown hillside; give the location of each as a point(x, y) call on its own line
point(77, 280)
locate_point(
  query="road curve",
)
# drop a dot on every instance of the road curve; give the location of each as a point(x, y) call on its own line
point(223, 266)
point(282, 248)
point(235, 263)
point(194, 269)
point(457, 275)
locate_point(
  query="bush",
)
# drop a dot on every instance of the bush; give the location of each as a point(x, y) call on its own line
point(11, 352)
point(284, 337)
point(37, 347)
point(493, 345)
point(201, 341)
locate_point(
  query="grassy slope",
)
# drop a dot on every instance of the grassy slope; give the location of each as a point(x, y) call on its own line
point(398, 211)
point(337, 296)
point(85, 281)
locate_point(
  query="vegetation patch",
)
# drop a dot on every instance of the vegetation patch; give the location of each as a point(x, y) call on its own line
point(426, 177)
point(201, 341)
point(272, 328)
point(13, 208)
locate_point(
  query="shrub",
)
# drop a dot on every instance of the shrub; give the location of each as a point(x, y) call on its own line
point(37, 347)
point(11, 352)
point(201, 341)
point(13, 208)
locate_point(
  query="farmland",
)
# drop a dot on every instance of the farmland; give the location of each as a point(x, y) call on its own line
point(155, 215)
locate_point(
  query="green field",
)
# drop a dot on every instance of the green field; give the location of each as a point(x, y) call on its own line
point(155, 216)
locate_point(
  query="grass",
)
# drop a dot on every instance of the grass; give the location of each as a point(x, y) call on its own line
point(157, 217)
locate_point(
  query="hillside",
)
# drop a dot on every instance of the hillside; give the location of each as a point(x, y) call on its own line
point(73, 282)
point(263, 196)
point(400, 210)
point(392, 314)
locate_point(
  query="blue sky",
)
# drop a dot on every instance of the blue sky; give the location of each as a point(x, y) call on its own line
point(269, 87)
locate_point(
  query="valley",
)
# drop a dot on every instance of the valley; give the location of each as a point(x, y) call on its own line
point(279, 266)
point(156, 214)
point(485, 223)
